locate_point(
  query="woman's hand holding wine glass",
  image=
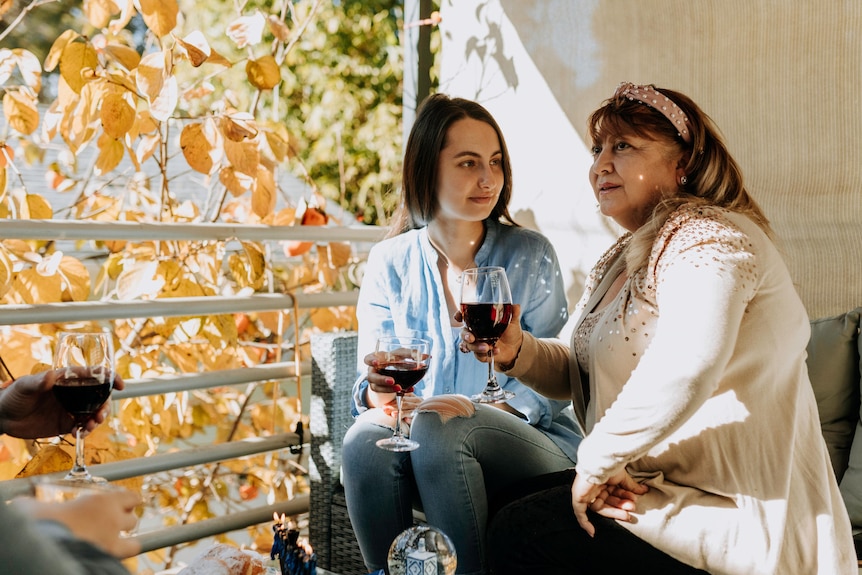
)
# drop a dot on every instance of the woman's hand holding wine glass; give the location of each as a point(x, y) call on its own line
point(486, 309)
point(405, 361)
point(86, 364)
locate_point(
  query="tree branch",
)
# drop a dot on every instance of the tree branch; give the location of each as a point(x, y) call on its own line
point(27, 9)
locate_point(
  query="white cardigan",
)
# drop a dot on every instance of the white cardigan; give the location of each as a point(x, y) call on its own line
point(700, 389)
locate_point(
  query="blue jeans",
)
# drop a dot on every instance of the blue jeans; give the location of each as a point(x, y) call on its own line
point(459, 466)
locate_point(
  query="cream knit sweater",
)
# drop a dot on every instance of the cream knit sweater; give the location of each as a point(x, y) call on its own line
point(699, 388)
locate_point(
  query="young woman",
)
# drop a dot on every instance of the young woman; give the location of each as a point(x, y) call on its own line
point(453, 215)
point(687, 368)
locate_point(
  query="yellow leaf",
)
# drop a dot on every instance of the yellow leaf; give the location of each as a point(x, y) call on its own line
point(263, 197)
point(21, 112)
point(256, 255)
point(80, 121)
point(147, 147)
point(244, 156)
point(278, 139)
point(127, 10)
point(338, 253)
point(263, 73)
point(325, 319)
point(199, 145)
point(7, 64)
point(139, 280)
point(151, 74)
point(278, 28)
point(160, 16)
point(146, 123)
point(77, 278)
point(216, 58)
point(49, 459)
point(31, 69)
point(117, 115)
point(246, 30)
point(164, 105)
point(39, 207)
point(77, 56)
point(127, 57)
point(5, 271)
point(110, 154)
point(2, 182)
point(238, 126)
point(57, 47)
point(235, 182)
point(99, 12)
point(196, 47)
point(285, 217)
point(33, 287)
point(220, 331)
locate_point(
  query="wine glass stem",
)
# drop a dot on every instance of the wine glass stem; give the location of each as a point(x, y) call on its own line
point(79, 470)
point(398, 432)
point(492, 378)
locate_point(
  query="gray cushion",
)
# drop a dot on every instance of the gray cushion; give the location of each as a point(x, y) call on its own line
point(837, 341)
point(833, 366)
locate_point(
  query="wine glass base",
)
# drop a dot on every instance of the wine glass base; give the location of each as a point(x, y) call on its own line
point(84, 477)
point(497, 396)
point(397, 444)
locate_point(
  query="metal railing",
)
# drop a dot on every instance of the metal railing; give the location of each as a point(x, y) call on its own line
point(186, 306)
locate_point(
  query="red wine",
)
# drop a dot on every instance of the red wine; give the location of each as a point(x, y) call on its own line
point(486, 321)
point(405, 373)
point(81, 396)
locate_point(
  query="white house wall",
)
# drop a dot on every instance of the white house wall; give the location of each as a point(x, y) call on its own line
point(781, 79)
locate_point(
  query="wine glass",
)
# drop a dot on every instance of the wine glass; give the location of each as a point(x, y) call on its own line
point(87, 363)
point(404, 359)
point(486, 308)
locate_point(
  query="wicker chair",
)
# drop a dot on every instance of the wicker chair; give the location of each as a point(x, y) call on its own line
point(333, 357)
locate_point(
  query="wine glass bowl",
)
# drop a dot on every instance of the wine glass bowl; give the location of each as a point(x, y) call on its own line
point(84, 384)
point(486, 309)
point(405, 360)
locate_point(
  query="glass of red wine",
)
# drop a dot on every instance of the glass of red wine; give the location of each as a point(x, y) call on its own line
point(486, 308)
point(404, 359)
point(87, 363)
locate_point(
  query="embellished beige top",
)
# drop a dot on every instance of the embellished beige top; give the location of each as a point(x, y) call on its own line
point(698, 386)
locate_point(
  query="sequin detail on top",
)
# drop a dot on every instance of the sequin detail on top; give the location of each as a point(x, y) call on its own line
point(582, 339)
point(702, 236)
point(597, 273)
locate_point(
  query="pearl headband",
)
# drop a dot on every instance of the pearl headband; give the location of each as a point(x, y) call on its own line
point(658, 101)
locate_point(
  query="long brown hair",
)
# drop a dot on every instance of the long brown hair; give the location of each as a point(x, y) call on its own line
point(713, 176)
point(418, 204)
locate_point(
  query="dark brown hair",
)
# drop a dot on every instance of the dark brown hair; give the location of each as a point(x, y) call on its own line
point(418, 204)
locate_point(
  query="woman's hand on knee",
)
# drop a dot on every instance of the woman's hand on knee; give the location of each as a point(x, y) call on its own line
point(614, 499)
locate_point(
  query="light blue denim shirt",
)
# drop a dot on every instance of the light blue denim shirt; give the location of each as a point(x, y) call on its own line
point(402, 294)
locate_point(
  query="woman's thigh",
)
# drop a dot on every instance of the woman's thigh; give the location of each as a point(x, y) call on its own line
point(538, 533)
point(505, 447)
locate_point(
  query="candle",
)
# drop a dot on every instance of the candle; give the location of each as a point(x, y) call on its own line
point(295, 557)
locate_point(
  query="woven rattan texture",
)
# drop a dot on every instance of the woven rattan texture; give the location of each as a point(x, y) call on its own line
point(333, 358)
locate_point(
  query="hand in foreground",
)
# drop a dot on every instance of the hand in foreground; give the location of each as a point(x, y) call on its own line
point(28, 409)
point(99, 518)
point(506, 348)
point(613, 499)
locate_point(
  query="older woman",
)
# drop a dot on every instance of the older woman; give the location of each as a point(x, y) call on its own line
point(687, 368)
